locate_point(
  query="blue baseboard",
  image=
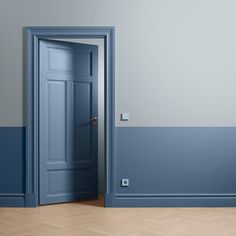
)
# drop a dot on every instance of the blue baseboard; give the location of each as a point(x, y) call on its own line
point(12, 200)
point(174, 202)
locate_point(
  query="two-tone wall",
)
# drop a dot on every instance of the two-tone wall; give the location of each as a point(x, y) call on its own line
point(175, 76)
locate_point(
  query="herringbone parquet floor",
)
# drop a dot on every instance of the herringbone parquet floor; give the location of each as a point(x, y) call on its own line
point(91, 219)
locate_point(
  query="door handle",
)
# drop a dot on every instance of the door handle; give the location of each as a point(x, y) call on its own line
point(93, 121)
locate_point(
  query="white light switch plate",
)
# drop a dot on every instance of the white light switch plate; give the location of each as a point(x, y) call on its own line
point(124, 116)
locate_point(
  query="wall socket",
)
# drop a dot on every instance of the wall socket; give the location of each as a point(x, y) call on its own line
point(124, 182)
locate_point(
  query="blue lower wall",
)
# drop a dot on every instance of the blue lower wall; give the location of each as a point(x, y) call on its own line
point(166, 166)
point(12, 156)
point(176, 163)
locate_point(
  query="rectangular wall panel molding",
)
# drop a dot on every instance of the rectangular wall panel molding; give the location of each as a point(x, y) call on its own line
point(12, 200)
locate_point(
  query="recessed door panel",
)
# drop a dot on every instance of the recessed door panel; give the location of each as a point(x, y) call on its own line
point(84, 59)
point(82, 112)
point(56, 120)
point(66, 60)
point(60, 59)
point(66, 181)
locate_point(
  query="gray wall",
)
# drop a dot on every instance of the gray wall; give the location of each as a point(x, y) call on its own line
point(175, 60)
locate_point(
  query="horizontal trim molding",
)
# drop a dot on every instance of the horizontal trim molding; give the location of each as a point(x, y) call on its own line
point(174, 202)
point(177, 127)
point(12, 200)
point(178, 195)
point(12, 195)
point(142, 126)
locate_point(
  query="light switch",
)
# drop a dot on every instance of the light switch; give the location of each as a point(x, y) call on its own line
point(124, 116)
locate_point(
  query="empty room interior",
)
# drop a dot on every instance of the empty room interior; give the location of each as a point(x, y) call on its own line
point(117, 118)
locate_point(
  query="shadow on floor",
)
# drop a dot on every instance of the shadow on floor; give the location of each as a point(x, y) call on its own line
point(94, 202)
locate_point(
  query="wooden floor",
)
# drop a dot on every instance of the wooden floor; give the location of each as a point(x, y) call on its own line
point(90, 218)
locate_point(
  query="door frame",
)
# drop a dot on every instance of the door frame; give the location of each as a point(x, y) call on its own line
point(32, 35)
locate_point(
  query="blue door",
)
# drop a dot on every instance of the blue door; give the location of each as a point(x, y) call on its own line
point(68, 110)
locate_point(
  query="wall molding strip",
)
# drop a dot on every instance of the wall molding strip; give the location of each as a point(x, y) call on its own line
point(12, 200)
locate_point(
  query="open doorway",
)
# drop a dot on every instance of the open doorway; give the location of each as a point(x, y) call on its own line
point(103, 39)
point(99, 42)
point(71, 119)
